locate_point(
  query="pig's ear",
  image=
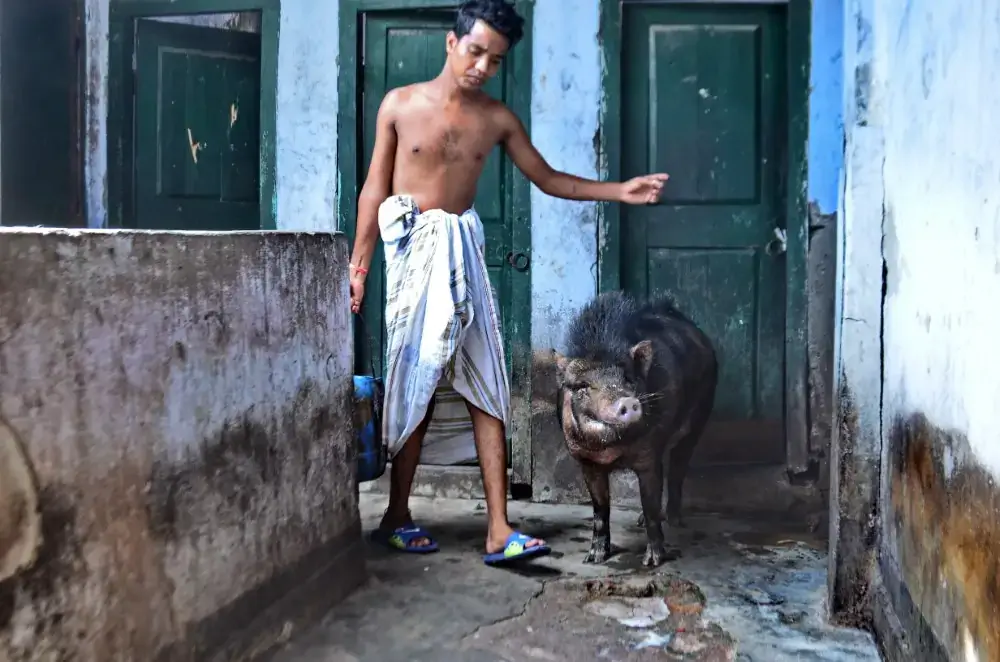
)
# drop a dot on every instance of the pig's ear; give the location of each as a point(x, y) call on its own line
point(642, 354)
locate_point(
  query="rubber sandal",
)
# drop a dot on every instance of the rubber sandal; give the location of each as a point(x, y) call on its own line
point(515, 550)
point(399, 540)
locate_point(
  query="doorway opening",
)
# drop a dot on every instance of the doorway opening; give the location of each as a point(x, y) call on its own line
point(400, 43)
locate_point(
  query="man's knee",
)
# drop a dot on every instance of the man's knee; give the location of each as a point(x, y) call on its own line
point(482, 418)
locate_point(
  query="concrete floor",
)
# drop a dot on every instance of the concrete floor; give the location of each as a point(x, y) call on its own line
point(737, 591)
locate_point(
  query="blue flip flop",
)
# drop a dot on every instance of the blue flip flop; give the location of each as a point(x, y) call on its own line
point(399, 539)
point(515, 550)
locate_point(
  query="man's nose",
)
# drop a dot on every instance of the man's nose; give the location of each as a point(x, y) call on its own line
point(482, 65)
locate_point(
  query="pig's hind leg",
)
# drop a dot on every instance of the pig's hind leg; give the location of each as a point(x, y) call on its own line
point(599, 487)
point(680, 461)
point(651, 495)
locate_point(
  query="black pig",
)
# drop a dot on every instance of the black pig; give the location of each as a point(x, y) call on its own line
point(637, 381)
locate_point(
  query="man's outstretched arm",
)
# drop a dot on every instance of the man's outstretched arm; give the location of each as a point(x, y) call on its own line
point(640, 190)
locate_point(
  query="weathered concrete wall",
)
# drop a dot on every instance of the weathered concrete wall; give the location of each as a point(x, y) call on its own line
point(924, 117)
point(178, 402)
point(306, 125)
point(856, 442)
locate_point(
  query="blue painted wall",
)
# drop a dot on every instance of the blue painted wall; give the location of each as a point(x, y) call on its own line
point(826, 125)
point(565, 107)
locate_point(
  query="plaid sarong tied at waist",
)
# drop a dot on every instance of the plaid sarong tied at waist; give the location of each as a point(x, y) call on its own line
point(442, 324)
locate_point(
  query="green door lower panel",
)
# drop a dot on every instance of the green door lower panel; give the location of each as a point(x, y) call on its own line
point(197, 128)
point(703, 99)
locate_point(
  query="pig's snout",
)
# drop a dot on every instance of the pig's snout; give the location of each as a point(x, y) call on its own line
point(626, 411)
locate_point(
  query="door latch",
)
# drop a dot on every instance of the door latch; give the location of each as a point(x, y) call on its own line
point(777, 245)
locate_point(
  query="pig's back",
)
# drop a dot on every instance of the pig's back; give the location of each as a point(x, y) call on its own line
point(684, 357)
point(613, 322)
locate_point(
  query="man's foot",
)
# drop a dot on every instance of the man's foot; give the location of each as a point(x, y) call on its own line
point(404, 537)
point(514, 546)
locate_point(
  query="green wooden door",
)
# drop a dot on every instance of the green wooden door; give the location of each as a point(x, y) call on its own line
point(401, 48)
point(703, 99)
point(197, 128)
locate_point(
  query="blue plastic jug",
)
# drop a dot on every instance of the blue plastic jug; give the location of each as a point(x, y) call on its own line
point(369, 394)
point(369, 398)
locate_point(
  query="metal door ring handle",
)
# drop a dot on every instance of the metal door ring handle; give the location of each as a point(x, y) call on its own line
point(519, 261)
point(778, 245)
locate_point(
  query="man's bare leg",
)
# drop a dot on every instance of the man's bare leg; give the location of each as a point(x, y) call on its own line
point(491, 446)
point(404, 468)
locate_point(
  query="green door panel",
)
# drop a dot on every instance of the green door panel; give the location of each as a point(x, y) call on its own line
point(703, 100)
point(402, 48)
point(197, 128)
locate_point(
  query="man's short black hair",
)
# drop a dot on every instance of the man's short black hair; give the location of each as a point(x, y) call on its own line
point(498, 14)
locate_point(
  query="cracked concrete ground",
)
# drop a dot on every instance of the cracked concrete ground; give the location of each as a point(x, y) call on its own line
point(737, 590)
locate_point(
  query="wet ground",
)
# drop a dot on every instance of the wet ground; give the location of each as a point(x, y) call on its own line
point(736, 591)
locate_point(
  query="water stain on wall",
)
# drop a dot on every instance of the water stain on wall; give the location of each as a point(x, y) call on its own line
point(246, 461)
point(944, 508)
point(856, 491)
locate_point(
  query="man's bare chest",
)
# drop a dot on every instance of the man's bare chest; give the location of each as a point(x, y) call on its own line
point(444, 140)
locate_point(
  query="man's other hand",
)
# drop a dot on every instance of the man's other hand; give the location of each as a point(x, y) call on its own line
point(643, 190)
point(357, 293)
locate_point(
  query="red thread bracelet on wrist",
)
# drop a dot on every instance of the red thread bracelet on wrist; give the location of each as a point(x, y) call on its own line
point(360, 270)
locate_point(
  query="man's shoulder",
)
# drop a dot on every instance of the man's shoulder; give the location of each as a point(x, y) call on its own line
point(403, 94)
point(500, 113)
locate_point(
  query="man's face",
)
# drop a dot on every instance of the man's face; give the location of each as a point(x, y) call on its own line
point(476, 57)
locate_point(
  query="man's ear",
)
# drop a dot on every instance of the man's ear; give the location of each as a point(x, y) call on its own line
point(642, 354)
point(450, 42)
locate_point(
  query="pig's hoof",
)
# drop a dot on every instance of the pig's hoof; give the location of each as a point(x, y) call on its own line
point(655, 556)
point(599, 553)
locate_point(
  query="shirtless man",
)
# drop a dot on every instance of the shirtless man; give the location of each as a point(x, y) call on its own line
point(431, 142)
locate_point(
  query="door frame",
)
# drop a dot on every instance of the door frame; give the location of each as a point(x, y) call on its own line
point(796, 207)
point(350, 176)
point(121, 86)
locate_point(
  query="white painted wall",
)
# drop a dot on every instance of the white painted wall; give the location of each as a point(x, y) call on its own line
point(859, 309)
point(923, 192)
point(306, 138)
point(921, 204)
point(940, 64)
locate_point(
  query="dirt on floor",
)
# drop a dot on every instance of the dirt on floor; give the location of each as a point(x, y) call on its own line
point(733, 591)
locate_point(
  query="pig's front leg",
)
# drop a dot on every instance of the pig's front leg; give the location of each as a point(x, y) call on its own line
point(651, 494)
point(599, 487)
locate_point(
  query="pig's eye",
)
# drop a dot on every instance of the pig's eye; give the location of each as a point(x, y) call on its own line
point(577, 386)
